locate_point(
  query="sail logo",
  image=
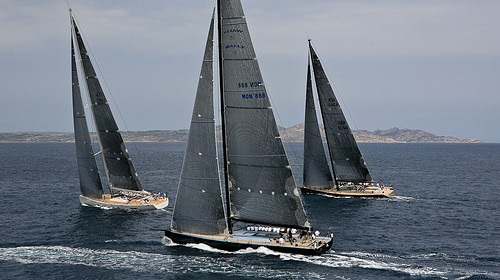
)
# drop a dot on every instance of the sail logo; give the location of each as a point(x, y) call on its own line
point(233, 31)
point(253, 95)
point(235, 46)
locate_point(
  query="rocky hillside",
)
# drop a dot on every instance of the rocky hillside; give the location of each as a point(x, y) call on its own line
point(290, 134)
point(393, 135)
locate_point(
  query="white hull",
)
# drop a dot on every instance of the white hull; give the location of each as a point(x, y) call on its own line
point(353, 191)
point(123, 203)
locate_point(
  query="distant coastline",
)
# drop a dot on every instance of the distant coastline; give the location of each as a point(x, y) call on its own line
point(289, 134)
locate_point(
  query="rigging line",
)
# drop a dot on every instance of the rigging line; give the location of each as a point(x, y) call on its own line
point(101, 76)
point(87, 107)
point(216, 96)
point(337, 94)
point(275, 111)
point(319, 116)
point(94, 137)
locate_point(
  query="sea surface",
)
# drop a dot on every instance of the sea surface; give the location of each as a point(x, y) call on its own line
point(444, 222)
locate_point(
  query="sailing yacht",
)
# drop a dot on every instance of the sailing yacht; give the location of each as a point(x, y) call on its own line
point(125, 189)
point(260, 204)
point(351, 175)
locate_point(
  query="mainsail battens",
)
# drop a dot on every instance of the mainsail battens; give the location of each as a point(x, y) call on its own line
point(119, 168)
point(125, 190)
point(194, 178)
point(198, 220)
point(258, 156)
point(251, 132)
point(240, 91)
point(240, 59)
point(347, 161)
point(251, 108)
point(259, 184)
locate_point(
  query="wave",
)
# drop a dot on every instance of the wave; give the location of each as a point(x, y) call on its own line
point(430, 264)
point(413, 265)
point(235, 264)
point(143, 262)
point(260, 250)
point(404, 198)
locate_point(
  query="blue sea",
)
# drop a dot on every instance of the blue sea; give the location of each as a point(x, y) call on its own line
point(444, 222)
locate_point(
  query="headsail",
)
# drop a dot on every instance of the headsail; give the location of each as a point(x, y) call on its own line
point(316, 171)
point(347, 161)
point(260, 181)
point(90, 181)
point(119, 168)
point(198, 206)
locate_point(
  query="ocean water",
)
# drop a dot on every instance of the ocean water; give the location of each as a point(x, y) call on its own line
point(444, 222)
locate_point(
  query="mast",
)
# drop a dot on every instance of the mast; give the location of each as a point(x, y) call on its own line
point(199, 203)
point(259, 176)
point(316, 173)
point(90, 180)
point(347, 162)
point(120, 171)
point(223, 120)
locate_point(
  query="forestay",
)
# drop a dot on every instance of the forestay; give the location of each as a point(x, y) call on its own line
point(119, 168)
point(198, 206)
point(316, 172)
point(90, 180)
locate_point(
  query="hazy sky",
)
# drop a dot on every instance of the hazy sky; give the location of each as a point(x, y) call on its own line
point(430, 65)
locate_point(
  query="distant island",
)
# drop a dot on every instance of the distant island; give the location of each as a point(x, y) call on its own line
point(289, 134)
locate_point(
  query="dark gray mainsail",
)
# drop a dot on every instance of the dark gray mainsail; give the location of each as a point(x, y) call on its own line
point(117, 162)
point(260, 181)
point(316, 172)
point(198, 206)
point(347, 161)
point(90, 181)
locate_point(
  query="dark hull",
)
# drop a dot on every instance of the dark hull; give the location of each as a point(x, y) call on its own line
point(231, 246)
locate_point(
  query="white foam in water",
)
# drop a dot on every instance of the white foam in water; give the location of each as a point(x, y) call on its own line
point(140, 262)
point(230, 265)
point(205, 247)
point(168, 242)
point(108, 259)
point(338, 260)
point(356, 259)
point(404, 198)
point(259, 250)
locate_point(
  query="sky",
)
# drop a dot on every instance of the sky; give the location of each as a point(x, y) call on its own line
point(429, 65)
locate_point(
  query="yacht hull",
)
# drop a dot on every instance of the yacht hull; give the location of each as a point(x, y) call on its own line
point(134, 204)
point(244, 239)
point(386, 192)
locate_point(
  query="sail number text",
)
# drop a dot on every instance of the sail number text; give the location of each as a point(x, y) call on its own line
point(253, 95)
point(249, 85)
point(99, 97)
point(244, 85)
point(332, 102)
point(342, 125)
